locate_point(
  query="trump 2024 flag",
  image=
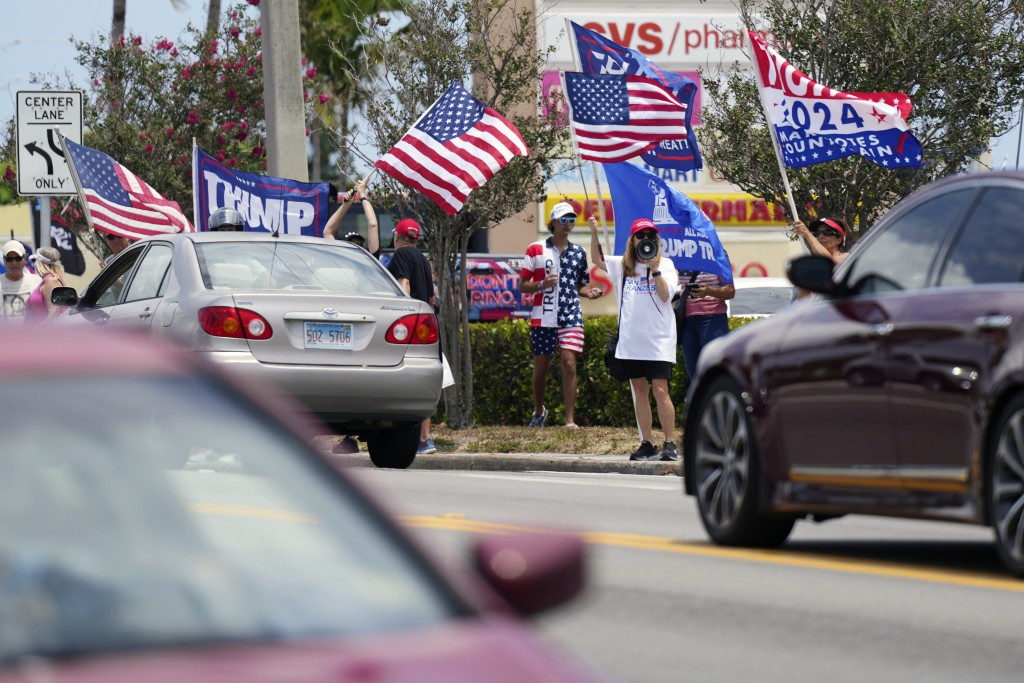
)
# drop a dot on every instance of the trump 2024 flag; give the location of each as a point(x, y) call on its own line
point(814, 123)
point(615, 118)
point(118, 201)
point(455, 147)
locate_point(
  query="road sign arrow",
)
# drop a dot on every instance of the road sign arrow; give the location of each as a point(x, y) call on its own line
point(51, 139)
point(33, 148)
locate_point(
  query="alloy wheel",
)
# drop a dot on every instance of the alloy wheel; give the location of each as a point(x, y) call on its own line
point(722, 459)
point(1008, 487)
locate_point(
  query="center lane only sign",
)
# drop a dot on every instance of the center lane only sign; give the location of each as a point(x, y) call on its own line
point(42, 169)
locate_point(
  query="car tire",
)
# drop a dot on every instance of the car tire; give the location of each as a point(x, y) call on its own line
point(726, 469)
point(394, 448)
point(1004, 485)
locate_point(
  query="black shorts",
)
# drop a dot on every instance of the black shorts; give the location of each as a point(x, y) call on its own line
point(651, 369)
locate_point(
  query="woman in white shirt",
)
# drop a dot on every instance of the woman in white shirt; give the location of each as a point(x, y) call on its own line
point(644, 288)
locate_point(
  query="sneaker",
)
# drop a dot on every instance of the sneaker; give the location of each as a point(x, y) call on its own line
point(426, 447)
point(669, 452)
point(647, 451)
point(538, 420)
point(346, 445)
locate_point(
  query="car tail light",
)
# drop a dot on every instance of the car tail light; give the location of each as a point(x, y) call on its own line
point(420, 328)
point(227, 321)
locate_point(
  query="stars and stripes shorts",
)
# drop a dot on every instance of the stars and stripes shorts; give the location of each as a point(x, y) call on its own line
point(542, 339)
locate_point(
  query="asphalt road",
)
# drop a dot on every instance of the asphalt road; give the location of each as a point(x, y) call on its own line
point(856, 599)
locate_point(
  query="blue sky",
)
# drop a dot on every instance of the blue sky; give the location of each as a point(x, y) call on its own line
point(36, 32)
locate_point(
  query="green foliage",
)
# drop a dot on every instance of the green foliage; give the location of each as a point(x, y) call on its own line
point(960, 63)
point(503, 394)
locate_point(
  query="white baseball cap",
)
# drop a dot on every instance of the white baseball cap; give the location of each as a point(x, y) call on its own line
point(562, 209)
point(15, 246)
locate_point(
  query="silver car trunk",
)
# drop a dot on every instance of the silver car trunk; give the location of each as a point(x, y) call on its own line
point(322, 328)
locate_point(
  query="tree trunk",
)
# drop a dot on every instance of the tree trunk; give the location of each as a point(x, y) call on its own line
point(213, 17)
point(117, 25)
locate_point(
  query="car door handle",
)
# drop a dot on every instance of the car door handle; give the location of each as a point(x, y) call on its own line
point(881, 329)
point(993, 322)
point(145, 314)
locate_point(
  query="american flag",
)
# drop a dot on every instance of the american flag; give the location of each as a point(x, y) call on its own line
point(615, 118)
point(456, 146)
point(118, 201)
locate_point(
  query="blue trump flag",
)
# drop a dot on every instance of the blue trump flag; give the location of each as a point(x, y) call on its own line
point(268, 204)
point(598, 55)
point(688, 236)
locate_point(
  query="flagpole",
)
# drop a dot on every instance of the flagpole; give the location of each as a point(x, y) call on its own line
point(775, 140)
point(76, 180)
point(593, 164)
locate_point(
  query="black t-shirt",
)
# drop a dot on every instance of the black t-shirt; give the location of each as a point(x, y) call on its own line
point(412, 264)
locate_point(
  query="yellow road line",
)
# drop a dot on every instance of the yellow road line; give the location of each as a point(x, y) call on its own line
point(777, 557)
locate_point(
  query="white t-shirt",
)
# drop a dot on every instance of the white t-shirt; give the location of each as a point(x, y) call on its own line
point(15, 293)
point(647, 325)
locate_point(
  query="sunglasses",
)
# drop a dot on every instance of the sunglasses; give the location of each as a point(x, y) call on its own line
point(13, 259)
point(567, 220)
point(646, 235)
point(111, 237)
point(827, 232)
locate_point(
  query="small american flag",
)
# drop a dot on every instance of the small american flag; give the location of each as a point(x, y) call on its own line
point(615, 118)
point(118, 201)
point(456, 146)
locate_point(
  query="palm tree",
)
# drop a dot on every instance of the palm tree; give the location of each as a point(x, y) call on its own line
point(120, 7)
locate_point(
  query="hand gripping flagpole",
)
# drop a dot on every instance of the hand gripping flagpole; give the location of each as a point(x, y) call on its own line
point(593, 164)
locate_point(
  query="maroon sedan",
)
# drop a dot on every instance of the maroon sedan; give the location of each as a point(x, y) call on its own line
point(897, 390)
point(163, 523)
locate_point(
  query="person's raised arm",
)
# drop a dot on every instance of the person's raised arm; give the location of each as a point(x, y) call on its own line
point(810, 240)
point(372, 227)
point(595, 245)
point(334, 222)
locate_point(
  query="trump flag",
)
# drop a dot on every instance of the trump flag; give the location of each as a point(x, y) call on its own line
point(118, 201)
point(814, 123)
point(615, 118)
point(599, 55)
point(455, 147)
point(688, 236)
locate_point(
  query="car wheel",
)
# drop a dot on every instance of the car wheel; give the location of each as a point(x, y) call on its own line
point(727, 472)
point(1005, 485)
point(394, 448)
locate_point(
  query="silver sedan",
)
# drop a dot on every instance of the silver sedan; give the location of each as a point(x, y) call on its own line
point(323, 320)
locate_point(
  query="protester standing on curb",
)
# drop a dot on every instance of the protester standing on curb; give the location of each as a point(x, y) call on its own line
point(38, 307)
point(18, 283)
point(824, 237)
point(645, 284)
point(707, 316)
point(556, 272)
point(411, 268)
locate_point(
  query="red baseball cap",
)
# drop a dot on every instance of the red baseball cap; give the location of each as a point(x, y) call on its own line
point(643, 224)
point(408, 228)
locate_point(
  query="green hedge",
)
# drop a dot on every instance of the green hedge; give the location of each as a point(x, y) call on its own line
point(503, 367)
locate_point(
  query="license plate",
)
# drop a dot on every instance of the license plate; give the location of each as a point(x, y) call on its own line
point(328, 335)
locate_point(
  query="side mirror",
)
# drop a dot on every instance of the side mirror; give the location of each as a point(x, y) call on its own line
point(533, 572)
point(64, 296)
point(813, 273)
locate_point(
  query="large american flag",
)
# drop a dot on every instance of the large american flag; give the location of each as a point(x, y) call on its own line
point(456, 146)
point(615, 118)
point(118, 201)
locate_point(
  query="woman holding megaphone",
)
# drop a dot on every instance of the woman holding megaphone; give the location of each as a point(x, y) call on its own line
point(645, 284)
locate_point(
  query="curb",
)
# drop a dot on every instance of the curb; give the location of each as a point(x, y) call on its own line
point(525, 462)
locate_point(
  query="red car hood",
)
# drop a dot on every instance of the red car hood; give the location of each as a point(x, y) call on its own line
point(487, 649)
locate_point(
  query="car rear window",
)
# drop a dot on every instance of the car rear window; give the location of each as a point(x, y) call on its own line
point(283, 266)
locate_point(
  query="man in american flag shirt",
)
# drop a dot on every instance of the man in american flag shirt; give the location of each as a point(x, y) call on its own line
point(556, 272)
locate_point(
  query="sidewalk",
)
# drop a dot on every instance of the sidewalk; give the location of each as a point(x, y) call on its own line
point(519, 462)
